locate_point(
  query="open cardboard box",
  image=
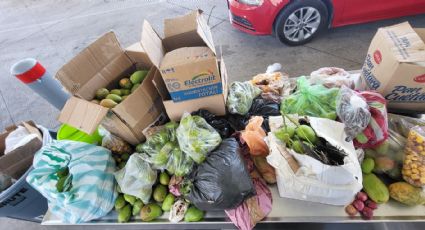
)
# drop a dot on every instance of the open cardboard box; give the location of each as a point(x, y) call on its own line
point(395, 67)
point(17, 162)
point(215, 104)
point(193, 75)
point(103, 64)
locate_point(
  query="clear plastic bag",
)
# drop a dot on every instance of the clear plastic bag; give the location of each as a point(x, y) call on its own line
point(240, 97)
point(311, 100)
point(114, 143)
point(402, 124)
point(196, 137)
point(414, 159)
point(388, 156)
point(353, 111)
point(376, 131)
point(179, 164)
point(332, 77)
point(158, 147)
point(136, 178)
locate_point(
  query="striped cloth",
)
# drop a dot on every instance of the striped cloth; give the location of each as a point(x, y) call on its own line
point(93, 190)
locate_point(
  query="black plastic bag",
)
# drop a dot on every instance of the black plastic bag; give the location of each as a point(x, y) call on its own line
point(221, 181)
point(260, 107)
point(219, 123)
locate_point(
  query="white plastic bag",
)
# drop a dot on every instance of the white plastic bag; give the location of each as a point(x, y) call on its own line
point(136, 178)
point(18, 137)
point(333, 77)
point(311, 180)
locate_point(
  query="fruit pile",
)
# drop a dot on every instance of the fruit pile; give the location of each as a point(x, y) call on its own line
point(301, 137)
point(110, 99)
point(162, 201)
point(363, 205)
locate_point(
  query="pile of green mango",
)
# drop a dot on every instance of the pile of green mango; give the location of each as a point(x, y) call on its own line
point(162, 201)
point(111, 98)
point(295, 136)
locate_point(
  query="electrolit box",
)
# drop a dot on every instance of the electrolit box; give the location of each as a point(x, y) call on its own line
point(186, 57)
point(395, 67)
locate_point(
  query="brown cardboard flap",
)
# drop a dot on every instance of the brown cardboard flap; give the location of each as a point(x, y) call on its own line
point(82, 114)
point(152, 44)
point(159, 84)
point(138, 55)
point(181, 24)
point(16, 162)
point(105, 76)
point(420, 32)
point(117, 127)
point(188, 30)
point(90, 62)
point(405, 43)
point(224, 79)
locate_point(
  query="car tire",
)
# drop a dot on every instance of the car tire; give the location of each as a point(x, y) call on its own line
point(294, 31)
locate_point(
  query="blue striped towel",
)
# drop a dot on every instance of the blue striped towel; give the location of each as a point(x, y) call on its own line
point(93, 192)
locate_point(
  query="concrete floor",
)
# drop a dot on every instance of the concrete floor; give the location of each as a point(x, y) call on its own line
point(54, 31)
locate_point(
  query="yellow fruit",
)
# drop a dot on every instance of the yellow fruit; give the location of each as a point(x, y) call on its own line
point(108, 103)
point(406, 193)
point(125, 83)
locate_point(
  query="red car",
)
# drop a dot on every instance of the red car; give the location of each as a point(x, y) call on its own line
point(296, 22)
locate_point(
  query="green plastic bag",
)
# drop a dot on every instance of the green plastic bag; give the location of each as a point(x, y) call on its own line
point(196, 137)
point(241, 95)
point(311, 100)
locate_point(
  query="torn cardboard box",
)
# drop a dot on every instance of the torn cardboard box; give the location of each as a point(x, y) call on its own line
point(395, 67)
point(192, 75)
point(17, 162)
point(103, 64)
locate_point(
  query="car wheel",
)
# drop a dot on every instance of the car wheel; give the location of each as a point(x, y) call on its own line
point(300, 21)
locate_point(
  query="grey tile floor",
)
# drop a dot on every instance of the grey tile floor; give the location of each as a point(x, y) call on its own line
point(53, 31)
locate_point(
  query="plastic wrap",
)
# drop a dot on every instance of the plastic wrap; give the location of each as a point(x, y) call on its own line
point(414, 161)
point(90, 190)
point(332, 77)
point(115, 144)
point(353, 111)
point(219, 123)
point(254, 136)
point(179, 163)
point(376, 131)
point(196, 137)
point(240, 97)
point(311, 100)
point(221, 182)
point(402, 124)
point(388, 156)
point(136, 178)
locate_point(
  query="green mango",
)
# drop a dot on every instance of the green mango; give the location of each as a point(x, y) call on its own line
point(297, 147)
point(168, 202)
point(137, 207)
point(116, 92)
point(114, 97)
point(119, 202)
point(102, 93)
point(125, 92)
point(150, 212)
point(375, 188)
point(368, 165)
point(159, 193)
point(135, 86)
point(124, 214)
point(307, 133)
point(193, 214)
point(138, 76)
point(164, 178)
point(130, 199)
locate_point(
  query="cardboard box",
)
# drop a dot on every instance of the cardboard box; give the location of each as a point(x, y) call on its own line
point(395, 67)
point(186, 57)
point(17, 162)
point(191, 75)
point(103, 64)
point(215, 104)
